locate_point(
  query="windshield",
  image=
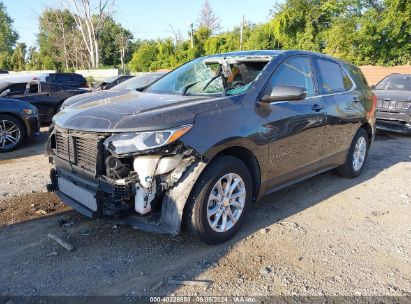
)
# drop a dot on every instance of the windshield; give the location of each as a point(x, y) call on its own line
point(395, 82)
point(138, 82)
point(210, 76)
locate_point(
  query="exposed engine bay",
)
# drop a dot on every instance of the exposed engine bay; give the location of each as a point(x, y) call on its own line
point(90, 173)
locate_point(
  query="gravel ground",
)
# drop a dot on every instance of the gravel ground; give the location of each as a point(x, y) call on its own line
point(324, 236)
point(26, 170)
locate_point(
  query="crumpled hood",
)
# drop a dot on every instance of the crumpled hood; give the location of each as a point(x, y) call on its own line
point(121, 111)
point(393, 95)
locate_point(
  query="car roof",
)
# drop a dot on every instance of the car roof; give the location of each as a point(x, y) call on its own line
point(23, 77)
point(399, 74)
point(272, 53)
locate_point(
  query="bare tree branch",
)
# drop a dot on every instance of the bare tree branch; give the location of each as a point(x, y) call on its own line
point(90, 20)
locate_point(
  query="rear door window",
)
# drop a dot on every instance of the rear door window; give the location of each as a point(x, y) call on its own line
point(18, 88)
point(333, 79)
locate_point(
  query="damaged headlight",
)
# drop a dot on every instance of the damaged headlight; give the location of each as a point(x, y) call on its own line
point(125, 143)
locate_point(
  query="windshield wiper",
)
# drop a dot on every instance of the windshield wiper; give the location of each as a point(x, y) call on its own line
point(211, 80)
point(189, 86)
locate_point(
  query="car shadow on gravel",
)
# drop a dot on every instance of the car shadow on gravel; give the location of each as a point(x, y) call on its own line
point(30, 147)
point(116, 260)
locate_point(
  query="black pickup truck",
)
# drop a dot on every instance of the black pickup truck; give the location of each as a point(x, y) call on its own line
point(36, 90)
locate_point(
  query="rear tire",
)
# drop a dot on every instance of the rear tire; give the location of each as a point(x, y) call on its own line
point(219, 201)
point(357, 156)
point(12, 133)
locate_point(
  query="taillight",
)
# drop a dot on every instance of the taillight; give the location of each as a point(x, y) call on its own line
point(374, 103)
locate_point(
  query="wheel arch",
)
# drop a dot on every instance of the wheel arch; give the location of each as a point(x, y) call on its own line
point(367, 127)
point(251, 162)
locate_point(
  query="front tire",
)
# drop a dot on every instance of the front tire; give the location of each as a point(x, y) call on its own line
point(357, 156)
point(219, 201)
point(12, 133)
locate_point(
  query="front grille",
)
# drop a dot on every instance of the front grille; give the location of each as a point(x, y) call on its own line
point(393, 105)
point(77, 150)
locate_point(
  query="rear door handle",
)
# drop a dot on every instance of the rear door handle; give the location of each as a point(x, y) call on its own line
point(317, 107)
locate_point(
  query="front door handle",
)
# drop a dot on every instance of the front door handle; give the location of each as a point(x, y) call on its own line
point(317, 107)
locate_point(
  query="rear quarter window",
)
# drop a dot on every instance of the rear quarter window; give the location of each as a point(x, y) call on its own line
point(357, 75)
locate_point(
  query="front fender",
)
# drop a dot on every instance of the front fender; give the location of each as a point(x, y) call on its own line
point(176, 198)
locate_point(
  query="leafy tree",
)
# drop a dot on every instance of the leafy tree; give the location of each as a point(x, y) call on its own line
point(5, 60)
point(112, 39)
point(17, 60)
point(33, 61)
point(8, 36)
point(360, 31)
point(201, 35)
point(144, 58)
point(261, 37)
point(59, 40)
point(395, 30)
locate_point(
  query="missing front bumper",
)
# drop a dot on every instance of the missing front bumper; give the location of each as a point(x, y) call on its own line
point(96, 198)
point(91, 200)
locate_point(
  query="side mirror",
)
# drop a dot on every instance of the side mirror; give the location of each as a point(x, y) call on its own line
point(372, 87)
point(285, 93)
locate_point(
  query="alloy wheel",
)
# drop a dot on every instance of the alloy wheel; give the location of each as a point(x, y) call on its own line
point(9, 134)
point(226, 202)
point(360, 151)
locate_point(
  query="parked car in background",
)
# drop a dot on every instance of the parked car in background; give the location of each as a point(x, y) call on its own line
point(136, 83)
point(3, 72)
point(113, 81)
point(394, 103)
point(35, 89)
point(197, 146)
point(67, 80)
point(18, 121)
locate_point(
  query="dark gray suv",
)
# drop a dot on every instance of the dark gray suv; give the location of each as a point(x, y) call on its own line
point(394, 103)
point(199, 145)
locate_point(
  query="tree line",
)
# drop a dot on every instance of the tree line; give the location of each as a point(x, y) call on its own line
point(376, 32)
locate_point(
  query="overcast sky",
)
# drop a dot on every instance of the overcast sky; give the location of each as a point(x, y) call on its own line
point(147, 18)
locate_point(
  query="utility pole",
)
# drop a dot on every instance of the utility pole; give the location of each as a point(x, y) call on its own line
point(192, 34)
point(242, 33)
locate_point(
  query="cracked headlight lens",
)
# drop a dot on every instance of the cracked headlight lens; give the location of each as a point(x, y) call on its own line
point(124, 143)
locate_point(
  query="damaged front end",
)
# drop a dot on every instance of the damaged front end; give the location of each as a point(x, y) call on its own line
point(140, 179)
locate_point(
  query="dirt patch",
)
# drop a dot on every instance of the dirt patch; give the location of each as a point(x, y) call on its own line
point(29, 206)
point(25, 170)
